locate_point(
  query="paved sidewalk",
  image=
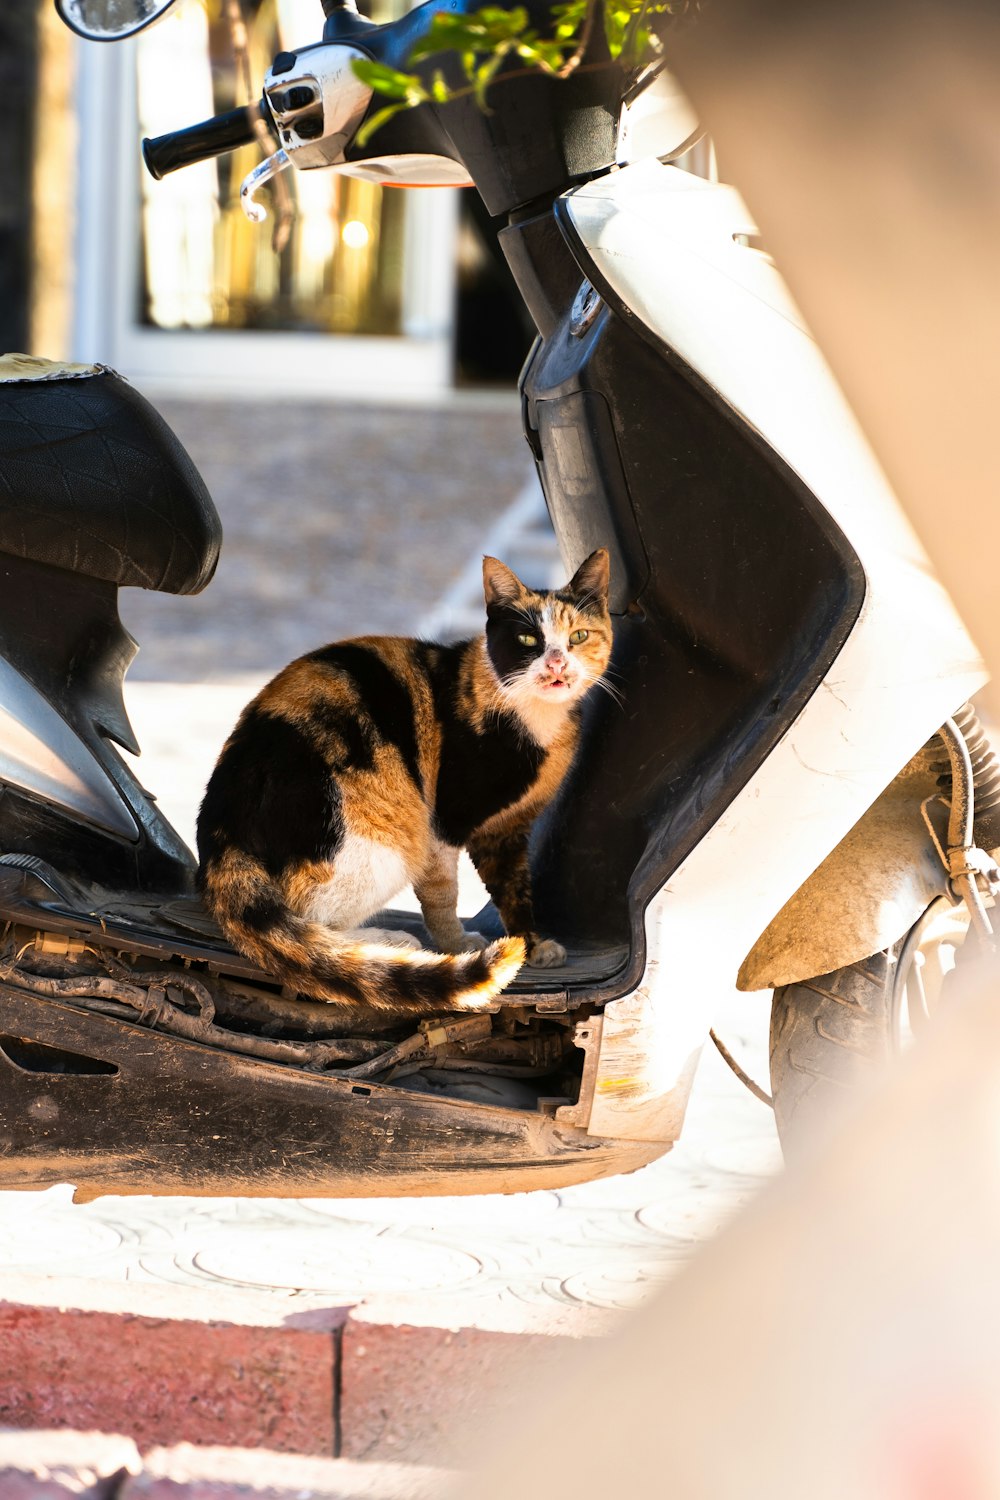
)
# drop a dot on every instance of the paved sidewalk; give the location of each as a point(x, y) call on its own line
point(337, 521)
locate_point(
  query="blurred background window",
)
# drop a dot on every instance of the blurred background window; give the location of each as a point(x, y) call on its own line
point(204, 265)
point(378, 293)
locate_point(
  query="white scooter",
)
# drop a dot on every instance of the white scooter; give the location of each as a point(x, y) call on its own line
point(792, 786)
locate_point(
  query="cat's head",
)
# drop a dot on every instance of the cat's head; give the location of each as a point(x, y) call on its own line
point(548, 646)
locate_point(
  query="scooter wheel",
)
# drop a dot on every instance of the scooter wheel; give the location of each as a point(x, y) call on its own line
point(829, 1034)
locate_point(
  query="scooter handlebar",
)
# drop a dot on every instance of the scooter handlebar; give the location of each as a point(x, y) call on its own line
point(181, 148)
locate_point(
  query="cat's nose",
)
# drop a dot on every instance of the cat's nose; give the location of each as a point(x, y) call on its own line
point(554, 659)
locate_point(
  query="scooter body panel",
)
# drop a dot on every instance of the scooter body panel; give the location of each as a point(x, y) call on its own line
point(64, 650)
point(41, 755)
point(731, 586)
point(670, 247)
point(672, 264)
point(115, 1108)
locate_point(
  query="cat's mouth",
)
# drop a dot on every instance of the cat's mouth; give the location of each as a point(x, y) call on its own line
point(555, 685)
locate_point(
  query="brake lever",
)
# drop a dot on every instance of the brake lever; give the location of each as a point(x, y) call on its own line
point(316, 103)
point(263, 172)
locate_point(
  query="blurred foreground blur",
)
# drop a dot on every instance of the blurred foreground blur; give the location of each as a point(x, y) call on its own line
point(839, 1339)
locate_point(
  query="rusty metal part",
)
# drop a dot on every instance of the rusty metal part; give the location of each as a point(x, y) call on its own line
point(425, 1042)
point(238, 1017)
point(149, 997)
point(259, 1007)
point(544, 1050)
point(487, 1069)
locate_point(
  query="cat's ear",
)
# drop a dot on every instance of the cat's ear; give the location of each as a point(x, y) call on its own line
point(591, 579)
point(500, 585)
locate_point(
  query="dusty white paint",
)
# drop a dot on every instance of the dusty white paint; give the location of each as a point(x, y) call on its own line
point(668, 244)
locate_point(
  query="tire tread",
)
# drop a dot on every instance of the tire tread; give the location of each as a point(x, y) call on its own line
point(825, 1033)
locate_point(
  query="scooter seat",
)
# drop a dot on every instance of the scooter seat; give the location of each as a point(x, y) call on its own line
point(93, 480)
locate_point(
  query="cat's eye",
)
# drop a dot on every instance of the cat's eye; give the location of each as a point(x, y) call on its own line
point(528, 640)
point(578, 637)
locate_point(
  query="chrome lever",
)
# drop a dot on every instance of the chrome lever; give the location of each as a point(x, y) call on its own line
point(263, 172)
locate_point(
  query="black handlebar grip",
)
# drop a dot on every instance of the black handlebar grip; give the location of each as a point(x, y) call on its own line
point(181, 148)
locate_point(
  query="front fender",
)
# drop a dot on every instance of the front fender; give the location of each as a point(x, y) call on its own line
point(864, 896)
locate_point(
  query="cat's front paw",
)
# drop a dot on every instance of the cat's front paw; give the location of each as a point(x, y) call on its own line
point(546, 953)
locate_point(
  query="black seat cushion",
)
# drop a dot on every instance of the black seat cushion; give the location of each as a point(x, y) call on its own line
point(93, 480)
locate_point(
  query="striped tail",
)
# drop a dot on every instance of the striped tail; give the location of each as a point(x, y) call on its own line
point(312, 959)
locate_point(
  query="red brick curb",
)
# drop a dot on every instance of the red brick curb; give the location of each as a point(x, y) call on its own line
point(429, 1394)
point(161, 1381)
point(333, 1383)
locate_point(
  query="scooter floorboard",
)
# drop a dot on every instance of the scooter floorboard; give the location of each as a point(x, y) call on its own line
point(180, 928)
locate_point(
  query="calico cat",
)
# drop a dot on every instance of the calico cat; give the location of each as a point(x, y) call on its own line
point(370, 764)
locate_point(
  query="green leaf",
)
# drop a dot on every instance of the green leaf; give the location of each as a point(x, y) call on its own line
point(440, 92)
point(479, 31)
point(480, 41)
point(492, 22)
point(550, 56)
point(626, 28)
point(389, 81)
point(569, 17)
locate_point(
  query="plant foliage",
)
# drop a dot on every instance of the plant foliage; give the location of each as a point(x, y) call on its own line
point(484, 40)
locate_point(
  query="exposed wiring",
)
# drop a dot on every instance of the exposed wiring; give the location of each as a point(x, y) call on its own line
point(744, 1078)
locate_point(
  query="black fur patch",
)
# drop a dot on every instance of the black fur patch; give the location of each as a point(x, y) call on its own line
point(435, 989)
point(272, 796)
point(503, 869)
point(349, 990)
point(355, 733)
point(402, 987)
point(503, 626)
point(385, 698)
point(430, 990)
point(480, 773)
point(264, 915)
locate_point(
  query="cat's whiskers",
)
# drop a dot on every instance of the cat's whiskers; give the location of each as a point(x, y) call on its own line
point(521, 612)
point(607, 687)
point(498, 705)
